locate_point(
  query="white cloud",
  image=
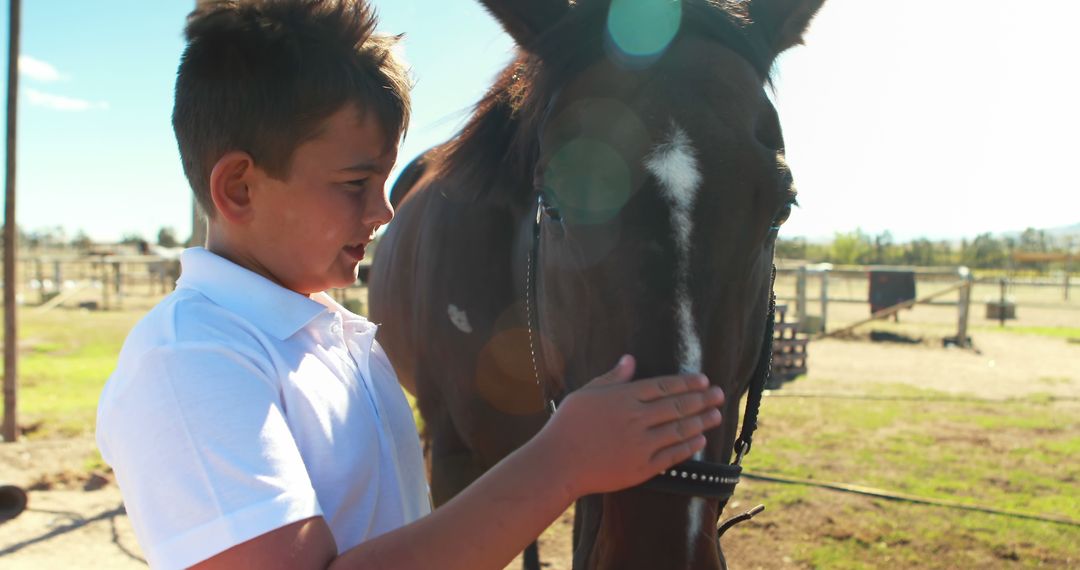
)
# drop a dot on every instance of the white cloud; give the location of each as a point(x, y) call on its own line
point(62, 103)
point(37, 69)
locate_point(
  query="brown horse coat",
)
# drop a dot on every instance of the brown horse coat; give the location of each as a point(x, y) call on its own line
point(667, 172)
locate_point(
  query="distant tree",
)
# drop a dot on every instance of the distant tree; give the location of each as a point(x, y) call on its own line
point(985, 252)
point(920, 251)
point(791, 248)
point(81, 242)
point(136, 240)
point(1035, 241)
point(852, 248)
point(131, 238)
point(886, 250)
point(53, 237)
point(166, 237)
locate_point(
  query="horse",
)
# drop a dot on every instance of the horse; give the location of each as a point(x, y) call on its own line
point(617, 190)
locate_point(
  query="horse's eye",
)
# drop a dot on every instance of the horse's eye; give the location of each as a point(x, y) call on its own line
point(549, 205)
point(783, 215)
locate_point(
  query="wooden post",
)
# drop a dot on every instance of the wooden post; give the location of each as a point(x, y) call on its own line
point(1001, 315)
point(963, 308)
point(800, 294)
point(39, 272)
point(824, 299)
point(118, 279)
point(103, 277)
point(1068, 270)
point(9, 429)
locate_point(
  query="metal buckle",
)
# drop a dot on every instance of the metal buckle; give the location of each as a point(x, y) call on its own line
point(741, 449)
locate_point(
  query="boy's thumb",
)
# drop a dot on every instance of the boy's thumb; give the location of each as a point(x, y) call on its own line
point(623, 372)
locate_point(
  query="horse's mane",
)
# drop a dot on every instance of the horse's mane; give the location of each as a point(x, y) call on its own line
point(494, 154)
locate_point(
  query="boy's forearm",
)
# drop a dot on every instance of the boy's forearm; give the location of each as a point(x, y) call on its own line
point(485, 526)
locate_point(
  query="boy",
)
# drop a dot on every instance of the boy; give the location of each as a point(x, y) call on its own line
point(254, 422)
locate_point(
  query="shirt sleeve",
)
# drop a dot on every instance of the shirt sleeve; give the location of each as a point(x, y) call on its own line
point(203, 453)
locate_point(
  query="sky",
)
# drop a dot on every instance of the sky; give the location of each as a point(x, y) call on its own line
point(924, 118)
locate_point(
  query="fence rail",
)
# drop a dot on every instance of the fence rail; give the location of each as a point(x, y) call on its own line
point(811, 289)
point(105, 282)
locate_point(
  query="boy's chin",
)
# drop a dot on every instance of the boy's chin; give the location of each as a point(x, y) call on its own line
point(346, 279)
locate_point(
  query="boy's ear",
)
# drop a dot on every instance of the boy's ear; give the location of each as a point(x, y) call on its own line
point(230, 186)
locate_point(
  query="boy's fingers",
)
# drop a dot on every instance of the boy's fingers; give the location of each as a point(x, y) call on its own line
point(684, 429)
point(623, 372)
point(656, 388)
point(672, 454)
point(681, 406)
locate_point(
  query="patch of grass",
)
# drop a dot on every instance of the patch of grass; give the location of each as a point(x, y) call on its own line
point(1015, 456)
point(788, 496)
point(64, 362)
point(849, 531)
point(1055, 380)
point(1054, 332)
point(95, 463)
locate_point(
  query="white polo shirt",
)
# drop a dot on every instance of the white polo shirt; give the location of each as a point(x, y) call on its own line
point(239, 406)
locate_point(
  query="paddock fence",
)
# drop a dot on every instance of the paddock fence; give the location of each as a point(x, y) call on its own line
point(825, 298)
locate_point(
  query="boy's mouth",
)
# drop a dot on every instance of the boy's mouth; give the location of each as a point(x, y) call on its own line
point(355, 251)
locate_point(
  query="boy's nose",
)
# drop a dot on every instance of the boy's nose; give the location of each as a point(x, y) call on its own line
point(377, 209)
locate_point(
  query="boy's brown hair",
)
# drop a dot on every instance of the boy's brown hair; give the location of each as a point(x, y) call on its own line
point(261, 76)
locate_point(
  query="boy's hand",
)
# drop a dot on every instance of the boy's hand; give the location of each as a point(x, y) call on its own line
point(612, 434)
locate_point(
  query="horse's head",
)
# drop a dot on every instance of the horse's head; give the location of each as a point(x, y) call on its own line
point(660, 161)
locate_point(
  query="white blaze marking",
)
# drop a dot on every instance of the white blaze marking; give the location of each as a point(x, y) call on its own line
point(674, 164)
point(459, 319)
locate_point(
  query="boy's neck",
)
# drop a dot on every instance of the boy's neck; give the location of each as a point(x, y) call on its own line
point(222, 243)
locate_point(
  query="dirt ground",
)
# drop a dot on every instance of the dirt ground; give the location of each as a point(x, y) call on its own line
point(75, 517)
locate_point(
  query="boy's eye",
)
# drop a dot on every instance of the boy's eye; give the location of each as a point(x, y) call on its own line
point(357, 184)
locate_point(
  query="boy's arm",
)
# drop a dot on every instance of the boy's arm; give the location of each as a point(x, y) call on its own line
point(609, 435)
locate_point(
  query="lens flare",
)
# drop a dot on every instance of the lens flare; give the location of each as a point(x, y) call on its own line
point(640, 30)
point(589, 181)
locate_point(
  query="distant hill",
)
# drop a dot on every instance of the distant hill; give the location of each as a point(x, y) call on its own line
point(1064, 231)
point(1056, 233)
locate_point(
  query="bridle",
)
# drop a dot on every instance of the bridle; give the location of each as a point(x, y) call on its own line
point(691, 478)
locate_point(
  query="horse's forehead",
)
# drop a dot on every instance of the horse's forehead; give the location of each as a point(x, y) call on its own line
point(698, 82)
point(709, 81)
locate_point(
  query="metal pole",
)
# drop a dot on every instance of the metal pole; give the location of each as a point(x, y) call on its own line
point(9, 428)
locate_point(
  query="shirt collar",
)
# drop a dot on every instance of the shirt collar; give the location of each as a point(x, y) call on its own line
point(360, 330)
point(274, 309)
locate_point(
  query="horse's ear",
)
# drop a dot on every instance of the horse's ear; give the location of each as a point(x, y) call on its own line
point(524, 20)
point(782, 22)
